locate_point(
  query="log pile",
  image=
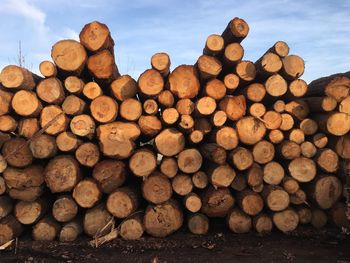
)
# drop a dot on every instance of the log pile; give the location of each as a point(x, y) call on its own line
point(87, 149)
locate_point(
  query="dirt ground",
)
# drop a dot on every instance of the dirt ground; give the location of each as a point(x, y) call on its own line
point(304, 245)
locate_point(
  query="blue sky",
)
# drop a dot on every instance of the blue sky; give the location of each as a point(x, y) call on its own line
point(319, 31)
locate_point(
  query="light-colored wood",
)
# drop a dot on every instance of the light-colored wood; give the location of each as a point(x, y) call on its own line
point(168, 166)
point(7, 123)
point(70, 231)
point(28, 127)
point(205, 106)
point(170, 142)
point(272, 120)
point(293, 67)
point(287, 122)
point(73, 105)
point(95, 36)
point(302, 169)
point(192, 202)
point(116, 139)
point(182, 184)
point(196, 136)
point(150, 83)
point(250, 202)
point(236, 30)
point(298, 109)
point(320, 140)
point(87, 193)
point(122, 202)
point(273, 173)
point(17, 153)
point(215, 89)
point(263, 152)
point(185, 106)
point(186, 123)
point(74, 85)
point(43, 146)
point(257, 110)
point(5, 102)
point(15, 77)
point(53, 119)
point(327, 160)
point(335, 123)
point(296, 135)
point(297, 88)
point(200, 180)
point(48, 69)
point(67, 142)
point(276, 136)
point(28, 213)
point(102, 66)
point(150, 106)
point(166, 98)
point(161, 62)
point(344, 105)
point(280, 48)
point(104, 109)
point(87, 154)
point(325, 191)
point(254, 177)
point(226, 137)
point(96, 221)
point(92, 90)
point(189, 160)
point(208, 67)
point(198, 224)
point(308, 149)
point(143, 162)
point(250, 130)
point(184, 82)
point(255, 92)
point(83, 125)
point(217, 202)
point(69, 56)
point(238, 221)
point(110, 174)
point(246, 71)
point(62, 173)
point(150, 126)
point(220, 175)
point(163, 219)
point(219, 118)
point(233, 53)
point(289, 150)
point(170, 116)
point(124, 87)
point(276, 198)
point(132, 228)
point(157, 188)
point(241, 158)
point(262, 224)
point(26, 103)
point(64, 209)
point(234, 106)
point(276, 85)
point(268, 64)
point(321, 104)
point(286, 220)
point(290, 185)
point(46, 229)
point(10, 228)
point(231, 82)
point(214, 45)
point(279, 106)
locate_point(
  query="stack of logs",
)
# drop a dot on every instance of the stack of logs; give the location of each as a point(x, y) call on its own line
point(86, 149)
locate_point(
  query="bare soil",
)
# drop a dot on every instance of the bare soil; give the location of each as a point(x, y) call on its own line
point(303, 245)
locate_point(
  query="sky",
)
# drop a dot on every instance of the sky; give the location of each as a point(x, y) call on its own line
point(318, 31)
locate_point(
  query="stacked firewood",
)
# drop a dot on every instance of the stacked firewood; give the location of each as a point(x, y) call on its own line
point(86, 149)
